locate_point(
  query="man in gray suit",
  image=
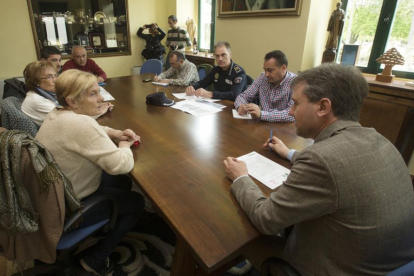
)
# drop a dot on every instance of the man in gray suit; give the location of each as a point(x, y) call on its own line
point(349, 195)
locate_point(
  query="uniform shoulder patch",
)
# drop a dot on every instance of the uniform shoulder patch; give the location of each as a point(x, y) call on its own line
point(238, 80)
point(237, 69)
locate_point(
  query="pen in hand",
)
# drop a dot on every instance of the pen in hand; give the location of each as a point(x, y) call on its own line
point(271, 135)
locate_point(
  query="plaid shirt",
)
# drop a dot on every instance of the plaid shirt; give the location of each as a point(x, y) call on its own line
point(275, 100)
point(185, 76)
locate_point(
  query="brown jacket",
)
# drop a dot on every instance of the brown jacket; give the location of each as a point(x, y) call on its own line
point(350, 199)
point(50, 207)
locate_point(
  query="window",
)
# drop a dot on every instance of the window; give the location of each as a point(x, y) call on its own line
point(206, 20)
point(377, 26)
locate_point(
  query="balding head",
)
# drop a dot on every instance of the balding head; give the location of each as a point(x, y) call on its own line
point(79, 55)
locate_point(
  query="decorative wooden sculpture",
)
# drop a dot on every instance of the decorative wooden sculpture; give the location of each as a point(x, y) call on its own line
point(389, 58)
point(335, 26)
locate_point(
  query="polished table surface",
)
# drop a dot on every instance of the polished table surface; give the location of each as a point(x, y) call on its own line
point(179, 167)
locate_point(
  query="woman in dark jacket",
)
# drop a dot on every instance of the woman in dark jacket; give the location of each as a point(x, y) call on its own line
point(153, 48)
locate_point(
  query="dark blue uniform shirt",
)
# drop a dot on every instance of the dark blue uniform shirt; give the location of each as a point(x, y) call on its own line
point(227, 84)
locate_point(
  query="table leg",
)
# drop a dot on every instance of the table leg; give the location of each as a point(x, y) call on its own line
point(183, 261)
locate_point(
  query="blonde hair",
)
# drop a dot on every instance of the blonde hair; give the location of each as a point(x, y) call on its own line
point(73, 84)
point(33, 72)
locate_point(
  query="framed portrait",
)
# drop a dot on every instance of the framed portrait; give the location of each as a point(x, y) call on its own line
point(97, 40)
point(241, 8)
point(83, 40)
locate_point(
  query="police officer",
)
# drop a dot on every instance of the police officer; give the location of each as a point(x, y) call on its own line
point(229, 78)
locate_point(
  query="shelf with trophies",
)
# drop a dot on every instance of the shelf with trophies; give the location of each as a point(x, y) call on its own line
point(101, 26)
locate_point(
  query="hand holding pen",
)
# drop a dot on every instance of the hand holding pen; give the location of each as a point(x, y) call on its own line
point(275, 144)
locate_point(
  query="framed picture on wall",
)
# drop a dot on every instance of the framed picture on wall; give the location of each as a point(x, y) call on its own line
point(241, 8)
point(97, 40)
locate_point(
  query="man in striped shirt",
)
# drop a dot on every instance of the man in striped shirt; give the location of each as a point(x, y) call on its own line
point(272, 89)
point(177, 38)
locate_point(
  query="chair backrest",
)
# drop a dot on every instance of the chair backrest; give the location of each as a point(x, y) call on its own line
point(250, 80)
point(153, 66)
point(12, 116)
point(203, 71)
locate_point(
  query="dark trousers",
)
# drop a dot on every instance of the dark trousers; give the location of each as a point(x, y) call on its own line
point(167, 62)
point(130, 207)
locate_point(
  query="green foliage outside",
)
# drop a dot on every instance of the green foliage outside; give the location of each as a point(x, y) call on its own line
point(365, 20)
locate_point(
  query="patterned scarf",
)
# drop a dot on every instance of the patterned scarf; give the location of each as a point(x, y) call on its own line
point(17, 216)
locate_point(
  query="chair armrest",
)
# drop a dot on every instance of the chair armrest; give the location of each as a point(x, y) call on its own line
point(87, 206)
point(281, 264)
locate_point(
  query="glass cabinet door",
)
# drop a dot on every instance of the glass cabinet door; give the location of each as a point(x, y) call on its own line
point(101, 26)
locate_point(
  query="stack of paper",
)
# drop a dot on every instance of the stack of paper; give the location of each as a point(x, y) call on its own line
point(183, 96)
point(195, 108)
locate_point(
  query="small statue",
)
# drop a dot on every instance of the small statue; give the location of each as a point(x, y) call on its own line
point(191, 28)
point(195, 49)
point(389, 58)
point(335, 26)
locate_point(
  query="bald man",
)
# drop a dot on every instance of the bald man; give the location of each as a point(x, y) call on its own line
point(81, 62)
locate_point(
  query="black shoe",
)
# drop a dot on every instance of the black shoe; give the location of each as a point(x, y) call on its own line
point(88, 263)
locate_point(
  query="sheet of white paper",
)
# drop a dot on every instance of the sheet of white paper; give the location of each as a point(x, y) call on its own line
point(160, 83)
point(61, 27)
point(238, 116)
point(196, 109)
point(265, 170)
point(203, 101)
point(50, 29)
point(105, 94)
point(183, 96)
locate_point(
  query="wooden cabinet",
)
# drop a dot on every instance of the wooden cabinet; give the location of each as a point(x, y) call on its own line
point(389, 108)
point(200, 58)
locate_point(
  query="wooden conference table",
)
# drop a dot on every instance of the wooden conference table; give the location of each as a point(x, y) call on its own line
point(179, 167)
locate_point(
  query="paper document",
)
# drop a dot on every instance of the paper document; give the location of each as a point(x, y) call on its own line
point(265, 170)
point(105, 94)
point(160, 83)
point(210, 103)
point(196, 109)
point(183, 96)
point(238, 116)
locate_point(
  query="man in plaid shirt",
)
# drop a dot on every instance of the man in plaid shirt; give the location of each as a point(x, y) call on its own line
point(182, 72)
point(273, 87)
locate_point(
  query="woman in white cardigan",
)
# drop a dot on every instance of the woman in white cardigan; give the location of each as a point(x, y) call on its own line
point(89, 158)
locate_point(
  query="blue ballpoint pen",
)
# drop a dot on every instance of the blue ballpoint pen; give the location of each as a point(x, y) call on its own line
point(271, 135)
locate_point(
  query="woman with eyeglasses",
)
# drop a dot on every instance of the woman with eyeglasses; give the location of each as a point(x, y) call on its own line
point(40, 78)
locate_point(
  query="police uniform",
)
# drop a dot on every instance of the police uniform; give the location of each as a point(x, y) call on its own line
point(227, 84)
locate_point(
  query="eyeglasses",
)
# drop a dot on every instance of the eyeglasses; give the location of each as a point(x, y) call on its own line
point(50, 77)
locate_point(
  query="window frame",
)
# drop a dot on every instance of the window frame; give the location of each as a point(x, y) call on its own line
point(212, 25)
point(388, 10)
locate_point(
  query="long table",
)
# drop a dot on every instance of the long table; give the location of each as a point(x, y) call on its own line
point(179, 167)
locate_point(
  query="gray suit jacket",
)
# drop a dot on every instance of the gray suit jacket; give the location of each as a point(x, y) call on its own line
point(351, 200)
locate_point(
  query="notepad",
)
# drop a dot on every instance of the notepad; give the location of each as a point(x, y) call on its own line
point(160, 83)
point(236, 115)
